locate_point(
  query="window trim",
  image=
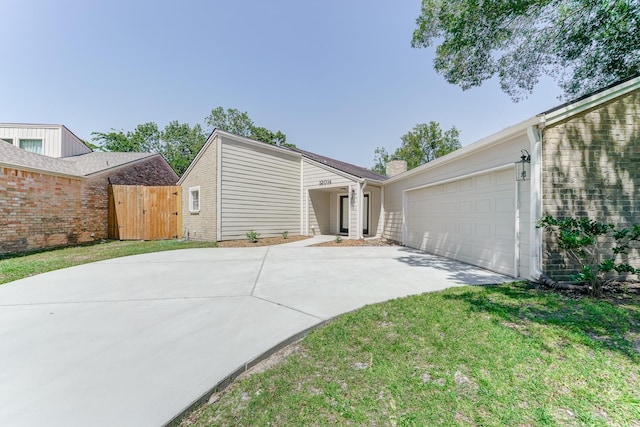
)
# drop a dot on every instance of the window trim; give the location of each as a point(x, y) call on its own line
point(191, 191)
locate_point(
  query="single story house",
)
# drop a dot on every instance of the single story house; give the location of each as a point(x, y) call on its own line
point(54, 189)
point(478, 204)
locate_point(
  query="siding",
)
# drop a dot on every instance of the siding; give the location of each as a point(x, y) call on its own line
point(71, 145)
point(260, 190)
point(51, 140)
point(202, 225)
point(322, 179)
point(591, 168)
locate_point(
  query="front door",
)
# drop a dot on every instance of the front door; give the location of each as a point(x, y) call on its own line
point(344, 214)
point(365, 214)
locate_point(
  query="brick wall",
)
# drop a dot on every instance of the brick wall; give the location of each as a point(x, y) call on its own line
point(38, 210)
point(202, 225)
point(591, 168)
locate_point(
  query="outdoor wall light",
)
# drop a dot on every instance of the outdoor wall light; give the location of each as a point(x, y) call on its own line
point(523, 166)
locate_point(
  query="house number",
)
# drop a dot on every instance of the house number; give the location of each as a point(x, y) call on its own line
point(325, 182)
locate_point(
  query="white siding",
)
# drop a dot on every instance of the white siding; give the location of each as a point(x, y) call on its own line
point(57, 141)
point(314, 174)
point(260, 190)
point(71, 145)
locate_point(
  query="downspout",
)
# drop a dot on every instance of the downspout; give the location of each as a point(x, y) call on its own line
point(535, 138)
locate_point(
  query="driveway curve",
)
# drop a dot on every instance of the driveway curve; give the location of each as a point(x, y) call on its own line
point(134, 341)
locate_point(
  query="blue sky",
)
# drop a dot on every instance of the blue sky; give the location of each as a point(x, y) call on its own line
point(338, 77)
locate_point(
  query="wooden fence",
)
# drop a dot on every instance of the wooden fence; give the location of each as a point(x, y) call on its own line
point(137, 212)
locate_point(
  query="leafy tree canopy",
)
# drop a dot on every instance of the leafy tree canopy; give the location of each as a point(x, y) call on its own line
point(179, 142)
point(583, 44)
point(239, 123)
point(423, 144)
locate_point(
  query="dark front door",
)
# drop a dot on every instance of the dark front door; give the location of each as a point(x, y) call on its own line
point(365, 213)
point(344, 214)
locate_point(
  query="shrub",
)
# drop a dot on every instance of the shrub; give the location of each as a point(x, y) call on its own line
point(252, 236)
point(285, 235)
point(596, 247)
point(338, 239)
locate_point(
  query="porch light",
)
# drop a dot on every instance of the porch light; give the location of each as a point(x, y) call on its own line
point(523, 167)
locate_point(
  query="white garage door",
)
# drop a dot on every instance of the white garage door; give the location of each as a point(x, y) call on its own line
point(471, 220)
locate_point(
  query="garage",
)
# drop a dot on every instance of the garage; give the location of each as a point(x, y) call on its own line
point(470, 219)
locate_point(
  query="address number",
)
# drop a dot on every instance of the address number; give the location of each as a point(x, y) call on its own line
point(325, 182)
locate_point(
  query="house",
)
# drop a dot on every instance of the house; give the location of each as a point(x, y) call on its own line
point(54, 189)
point(478, 204)
point(235, 185)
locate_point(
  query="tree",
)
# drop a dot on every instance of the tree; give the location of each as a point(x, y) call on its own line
point(178, 142)
point(240, 123)
point(583, 44)
point(421, 145)
point(181, 144)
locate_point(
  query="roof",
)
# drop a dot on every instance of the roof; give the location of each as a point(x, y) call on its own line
point(354, 170)
point(97, 161)
point(81, 165)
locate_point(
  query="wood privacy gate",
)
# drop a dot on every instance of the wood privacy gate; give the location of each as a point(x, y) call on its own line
point(138, 212)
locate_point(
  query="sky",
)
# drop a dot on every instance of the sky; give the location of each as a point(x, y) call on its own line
point(338, 77)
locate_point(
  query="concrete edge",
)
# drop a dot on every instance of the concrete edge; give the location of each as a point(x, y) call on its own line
point(229, 379)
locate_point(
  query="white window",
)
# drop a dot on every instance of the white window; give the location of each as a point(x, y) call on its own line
point(31, 145)
point(194, 199)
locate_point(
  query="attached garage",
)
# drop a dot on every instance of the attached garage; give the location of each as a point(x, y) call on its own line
point(471, 219)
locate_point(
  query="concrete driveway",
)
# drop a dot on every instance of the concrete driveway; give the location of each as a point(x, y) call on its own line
point(134, 341)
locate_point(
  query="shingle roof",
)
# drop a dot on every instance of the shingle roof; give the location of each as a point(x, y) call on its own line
point(90, 163)
point(80, 165)
point(354, 170)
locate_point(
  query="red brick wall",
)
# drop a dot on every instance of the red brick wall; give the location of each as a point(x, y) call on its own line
point(41, 211)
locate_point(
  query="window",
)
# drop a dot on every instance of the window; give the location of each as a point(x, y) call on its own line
point(194, 199)
point(31, 145)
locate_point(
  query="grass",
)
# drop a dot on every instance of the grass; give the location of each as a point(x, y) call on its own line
point(16, 267)
point(491, 356)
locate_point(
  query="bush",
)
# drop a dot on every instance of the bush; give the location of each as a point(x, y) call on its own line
point(596, 247)
point(252, 236)
point(285, 235)
point(338, 239)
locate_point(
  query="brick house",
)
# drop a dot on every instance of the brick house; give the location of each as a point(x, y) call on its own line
point(57, 200)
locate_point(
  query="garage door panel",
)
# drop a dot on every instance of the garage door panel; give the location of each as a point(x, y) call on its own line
point(471, 220)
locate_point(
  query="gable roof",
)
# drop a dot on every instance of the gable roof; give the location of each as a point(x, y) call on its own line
point(79, 166)
point(349, 168)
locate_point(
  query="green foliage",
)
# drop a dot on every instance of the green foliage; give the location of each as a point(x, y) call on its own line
point(585, 241)
point(285, 235)
point(252, 236)
point(239, 123)
point(338, 239)
point(583, 44)
point(178, 142)
point(421, 145)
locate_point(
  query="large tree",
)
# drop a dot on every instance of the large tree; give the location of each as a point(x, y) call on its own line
point(583, 44)
point(239, 123)
point(424, 143)
point(178, 142)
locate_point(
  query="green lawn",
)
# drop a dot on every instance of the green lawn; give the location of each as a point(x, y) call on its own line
point(18, 266)
point(507, 355)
